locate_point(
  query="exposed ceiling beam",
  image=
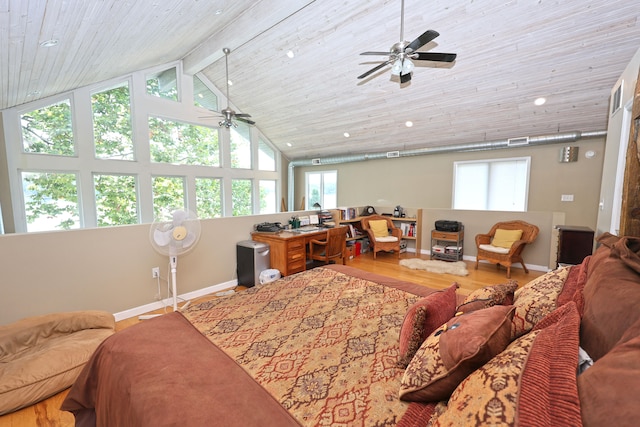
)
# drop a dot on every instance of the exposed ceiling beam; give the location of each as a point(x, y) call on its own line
point(262, 16)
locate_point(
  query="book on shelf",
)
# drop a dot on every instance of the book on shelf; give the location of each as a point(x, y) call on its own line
point(348, 213)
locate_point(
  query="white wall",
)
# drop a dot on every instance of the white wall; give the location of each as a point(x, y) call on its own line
point(616, 129)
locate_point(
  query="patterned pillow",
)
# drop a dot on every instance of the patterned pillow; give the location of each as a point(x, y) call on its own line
point(422, 318)
point(453, 351)
point(537, 299)
point(501, 294)
point(531, 383)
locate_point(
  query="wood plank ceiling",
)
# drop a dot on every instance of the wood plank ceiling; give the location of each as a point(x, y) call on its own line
point(509, 53)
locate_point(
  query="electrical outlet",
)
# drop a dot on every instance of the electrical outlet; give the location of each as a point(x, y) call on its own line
point(155, 272)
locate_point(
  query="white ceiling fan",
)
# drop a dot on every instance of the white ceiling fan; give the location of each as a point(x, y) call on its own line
point(228, 115)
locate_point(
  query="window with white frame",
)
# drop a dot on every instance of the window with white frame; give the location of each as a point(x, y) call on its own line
point(321, 188)
point(496, 185)
point(135, 159)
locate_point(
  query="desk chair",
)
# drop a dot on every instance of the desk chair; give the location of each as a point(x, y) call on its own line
point(331, 249)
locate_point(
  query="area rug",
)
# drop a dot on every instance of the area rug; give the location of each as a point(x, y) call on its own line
point(458, 268)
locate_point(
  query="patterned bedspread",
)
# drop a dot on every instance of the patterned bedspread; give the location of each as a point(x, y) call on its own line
point(323, 343)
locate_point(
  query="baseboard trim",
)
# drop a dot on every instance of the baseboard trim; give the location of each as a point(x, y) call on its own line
point(168, 302)
point(470, 258)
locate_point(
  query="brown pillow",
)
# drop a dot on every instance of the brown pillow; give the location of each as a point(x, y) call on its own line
point(501, 294)
point(422, 318)
point(531, 383)
point(611, 296)
point(610, 388)
point(453, 351)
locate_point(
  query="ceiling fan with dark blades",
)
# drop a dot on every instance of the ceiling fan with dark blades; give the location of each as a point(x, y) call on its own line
point(402, 53)
point(229, 117)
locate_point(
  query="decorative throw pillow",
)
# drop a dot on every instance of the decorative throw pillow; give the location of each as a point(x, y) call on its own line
point(453, 351)
point(379, 228)
point(501, 294)
point(422, 318)
point(537, 299)
point(531, 383)
point(506, 238)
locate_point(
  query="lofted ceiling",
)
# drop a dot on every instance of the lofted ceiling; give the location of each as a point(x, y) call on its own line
point(510, 52)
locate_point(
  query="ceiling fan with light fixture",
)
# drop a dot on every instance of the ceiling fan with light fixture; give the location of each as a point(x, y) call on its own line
point(402, 53)
point(228, 115)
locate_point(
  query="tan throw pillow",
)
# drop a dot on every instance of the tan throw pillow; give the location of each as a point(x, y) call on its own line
point(455, 350)
point(379, 228)
point(506, 238)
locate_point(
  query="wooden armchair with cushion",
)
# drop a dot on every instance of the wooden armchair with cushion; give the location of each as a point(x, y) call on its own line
point(383, 234)
point(331, 249)
point(503, 245)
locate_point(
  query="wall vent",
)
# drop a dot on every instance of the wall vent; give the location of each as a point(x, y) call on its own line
point(393, 154)
point(315, 162)
point(516, 142)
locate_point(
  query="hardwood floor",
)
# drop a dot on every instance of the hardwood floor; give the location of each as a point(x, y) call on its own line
point(47, 414)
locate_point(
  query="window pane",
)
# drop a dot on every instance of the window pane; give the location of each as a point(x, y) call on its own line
point(508, 186)
point(112, 123)
point(116, 199)
point(471, 186)
point(268, 202)
point(492, 184)
point(48, 130)
point(168, 194)
point(241, 197)
point(209, 197)
point(50, 201)
point(183, 144)
point(314, 188)
point(266, 157)
point(330, 192)
point(241, 146)
point(163, 84)
point(322, 189)
point(202, 95)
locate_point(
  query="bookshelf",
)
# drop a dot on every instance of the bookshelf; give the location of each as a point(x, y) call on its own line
point(411, 224)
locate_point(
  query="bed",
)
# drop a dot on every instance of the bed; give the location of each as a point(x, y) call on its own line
point(318, 348)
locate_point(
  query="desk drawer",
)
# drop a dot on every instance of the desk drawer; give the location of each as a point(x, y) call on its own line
point(446, 235)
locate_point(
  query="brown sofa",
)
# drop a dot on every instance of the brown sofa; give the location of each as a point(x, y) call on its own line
point(471, 372)
point(43, 355)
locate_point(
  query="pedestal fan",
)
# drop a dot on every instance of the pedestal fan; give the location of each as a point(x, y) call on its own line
point(175, 237)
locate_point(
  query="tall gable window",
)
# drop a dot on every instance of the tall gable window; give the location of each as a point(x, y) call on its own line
point(105, 156)
point(182, 143)
point(164, 84)
point(203, 96)
point(48, 130)
point(112, 132)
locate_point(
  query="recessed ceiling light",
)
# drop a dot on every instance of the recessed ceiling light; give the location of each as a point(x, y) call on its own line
point(540, 101)
point(218, 12)
point(290, 54)
point(408, 123)
point(346, 134)
point(49, 43)
point(289, 144)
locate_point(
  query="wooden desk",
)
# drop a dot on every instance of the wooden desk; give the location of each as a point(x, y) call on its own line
point(288, 249)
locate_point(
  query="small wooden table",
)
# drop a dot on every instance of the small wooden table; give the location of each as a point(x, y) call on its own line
point(288, 249)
